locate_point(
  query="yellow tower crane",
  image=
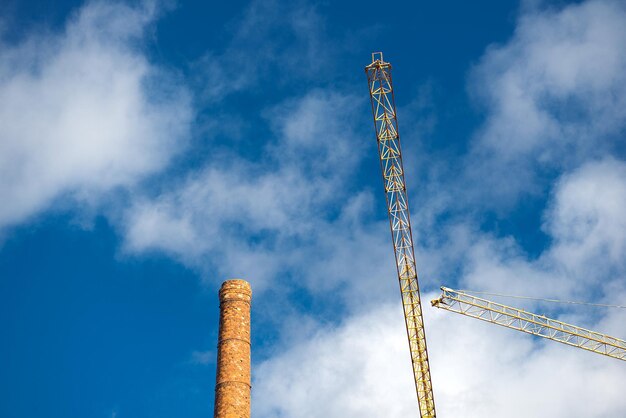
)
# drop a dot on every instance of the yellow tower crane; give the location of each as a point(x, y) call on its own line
point(520, 320)
point(386, 127)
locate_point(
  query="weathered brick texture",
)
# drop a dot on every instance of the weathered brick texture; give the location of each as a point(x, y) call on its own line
point(232, 387)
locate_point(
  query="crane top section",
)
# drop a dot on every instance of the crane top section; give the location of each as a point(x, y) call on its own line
point(377, 61)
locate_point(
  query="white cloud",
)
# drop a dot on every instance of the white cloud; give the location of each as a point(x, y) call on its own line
point(587, 229)
point(358, 369)
point(362, 368)
point(588, 218)
point(84, 111)
point(555, 94)
point(261, 220)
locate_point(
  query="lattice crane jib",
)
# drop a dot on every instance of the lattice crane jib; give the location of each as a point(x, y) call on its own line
point(518, 319)
point(386, 127)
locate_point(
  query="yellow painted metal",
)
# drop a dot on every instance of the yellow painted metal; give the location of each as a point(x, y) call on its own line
point(386, 126)
point(518, 319)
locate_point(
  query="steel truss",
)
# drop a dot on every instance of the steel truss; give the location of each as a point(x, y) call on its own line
point(518, 319)
point(386, 126)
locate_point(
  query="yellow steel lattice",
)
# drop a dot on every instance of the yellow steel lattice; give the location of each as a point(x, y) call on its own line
point(518, 319)
point(386, 126)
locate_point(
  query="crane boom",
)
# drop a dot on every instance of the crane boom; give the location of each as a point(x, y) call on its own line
point(496, 313)
point(386, 126)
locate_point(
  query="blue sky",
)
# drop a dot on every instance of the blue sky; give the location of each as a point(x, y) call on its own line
point(151, 150)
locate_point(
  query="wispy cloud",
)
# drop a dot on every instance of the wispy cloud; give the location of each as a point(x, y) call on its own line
point(272, 43)
point(203, 357)
point(554, 95)
point(84, 111)
point(237, 215)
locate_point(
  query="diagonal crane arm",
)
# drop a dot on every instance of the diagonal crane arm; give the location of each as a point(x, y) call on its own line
point(386, 126)
point(496, 313)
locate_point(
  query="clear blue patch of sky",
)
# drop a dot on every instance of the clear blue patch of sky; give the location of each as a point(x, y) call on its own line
point(86, 332)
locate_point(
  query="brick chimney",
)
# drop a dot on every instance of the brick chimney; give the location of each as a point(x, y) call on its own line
point(232, 386)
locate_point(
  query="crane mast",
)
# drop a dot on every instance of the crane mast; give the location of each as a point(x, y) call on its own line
point(506, 316)
point(386, 126)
